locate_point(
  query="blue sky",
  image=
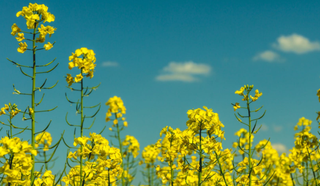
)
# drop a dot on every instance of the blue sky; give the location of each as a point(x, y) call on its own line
point(166, 57)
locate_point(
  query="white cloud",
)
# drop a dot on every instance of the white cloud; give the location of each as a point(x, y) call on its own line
point(277, 128)
point(184, 71)
point(296, 43)
point(269, 56)
point(280, 148)
point(177, 77)
point(188, 67)
point(110, 64)
point(264, 127)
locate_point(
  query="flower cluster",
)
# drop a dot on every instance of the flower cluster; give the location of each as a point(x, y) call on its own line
point(271, 159)
point(134, 145)
point(116, 106)
point(34, 14)
point(243, 135)
point(3, 109)
point(45, 139)
point(95, 172)
point(246, 88)
point(205, 119)
point(84, 59)
point(149, 154)
point(46, 180)
point(12, 109)
point(17, 168)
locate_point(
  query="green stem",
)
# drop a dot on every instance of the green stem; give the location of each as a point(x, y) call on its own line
point(127, 166)
point(120, 146)
point(149, 175)
point(249, 116)
point(33, 99)
point(10, 164)
point(45, 160)
point(292, 179)
point(200, 160)
point(10, 126)
point(221, 170)
point(171, 163)
point(109, 182)
point(152, 167)
point(81, 128)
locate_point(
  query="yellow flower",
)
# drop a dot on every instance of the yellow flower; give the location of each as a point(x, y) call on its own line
point(115, 121)
point(2, 111)
point(90, 74)
point(304, 121)
point(33, 12)
point(69, 79)
point(20, 37)
point(125, 124)
point(6, 107)
point(84, 59)
point(115, 104)
point(236, 106)
point(253, 98)
point(48, 17)
point(140, 162)
point(71, 65)
point(318, 94)
point(23, 47)
point(48, 46)
point(31, 111)
point(257, 94)
point(78, 78)
point(44, 30)
point(41, 39)
point(31, 20)
point(235, 145)
point(40, 139)
point(15, 29)
point(240, 92)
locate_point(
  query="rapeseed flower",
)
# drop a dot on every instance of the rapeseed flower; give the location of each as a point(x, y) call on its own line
point(20, 37)
point(236, 106)
point(48, 46)
point(15, 29)
point(84, 63)
point(22, 47)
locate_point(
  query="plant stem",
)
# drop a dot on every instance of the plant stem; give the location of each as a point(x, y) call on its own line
point(120, 146)
point(32, 99)
point(249, 116)
point(81, 129)
point(200, 158)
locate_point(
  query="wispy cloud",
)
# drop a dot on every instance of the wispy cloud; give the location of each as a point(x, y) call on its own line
point(183, 71)
point(110, 64)
point(296, 43)
point(277, 128)
point(264, 127)
point(281, 148)
point(268, 56)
